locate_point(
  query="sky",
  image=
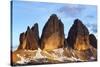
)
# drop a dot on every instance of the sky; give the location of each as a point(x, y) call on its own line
point(27, 13)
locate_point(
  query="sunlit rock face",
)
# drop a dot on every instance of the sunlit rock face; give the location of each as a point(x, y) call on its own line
point(78, 36)
point(29, 39)
point(52, 34)
point(93, 40)
point(81, 44)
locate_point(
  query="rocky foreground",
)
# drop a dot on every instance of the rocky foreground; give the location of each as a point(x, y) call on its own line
point(53, 47)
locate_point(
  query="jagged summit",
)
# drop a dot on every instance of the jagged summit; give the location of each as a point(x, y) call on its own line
point(30, 39)
point(77, 21)
point(35, 27)
point(53, 16)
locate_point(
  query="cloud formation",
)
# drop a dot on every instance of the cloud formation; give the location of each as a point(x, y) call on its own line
point(90, 16)
point(93, 27)
point(71, 10)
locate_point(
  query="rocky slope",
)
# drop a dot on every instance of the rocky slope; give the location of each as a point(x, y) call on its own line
point(53, 47)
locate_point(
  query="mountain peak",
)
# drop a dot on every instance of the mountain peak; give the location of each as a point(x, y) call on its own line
point(28, 28)
point(35, 28)
point(78, 36)
point(53, 18)
point(53, 15)
point(77, 20)
point(53, 33)
point(30, 39)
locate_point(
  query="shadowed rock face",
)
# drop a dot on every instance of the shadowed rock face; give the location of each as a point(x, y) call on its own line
point(30, 39)
point(52, 34)
point(65, 43)
point(78, 36)
point(21, 39)
point(93, 40)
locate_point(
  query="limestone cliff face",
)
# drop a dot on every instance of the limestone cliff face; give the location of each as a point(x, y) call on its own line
point(52, 34)
point(30, 39)
point(78, 36)
point(93, 40)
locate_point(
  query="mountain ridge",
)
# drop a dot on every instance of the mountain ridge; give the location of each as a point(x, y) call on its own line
point(53, 47)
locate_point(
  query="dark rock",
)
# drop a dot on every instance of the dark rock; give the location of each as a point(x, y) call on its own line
point(78, 36)
point(36, 32)
point(93, 40)
point(30, 40)
point(21, 39)
point(52, 34)
point(65, 43)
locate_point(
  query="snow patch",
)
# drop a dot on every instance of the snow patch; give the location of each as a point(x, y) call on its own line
point(38, 54)
point(23, 60)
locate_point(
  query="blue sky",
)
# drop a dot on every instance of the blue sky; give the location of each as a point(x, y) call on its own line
point(28, 13)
